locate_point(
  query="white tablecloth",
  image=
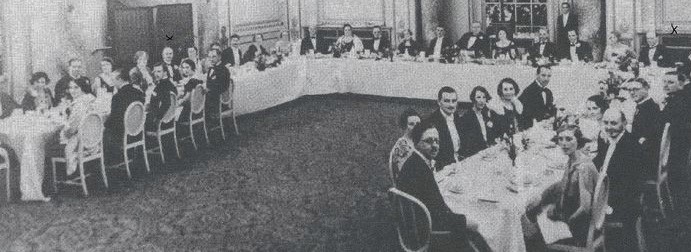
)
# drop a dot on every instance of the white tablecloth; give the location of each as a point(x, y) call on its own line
point(499, 222)
point(571, 85)
point(28, 136)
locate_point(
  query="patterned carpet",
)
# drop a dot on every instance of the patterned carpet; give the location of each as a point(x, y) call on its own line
point(307, 176)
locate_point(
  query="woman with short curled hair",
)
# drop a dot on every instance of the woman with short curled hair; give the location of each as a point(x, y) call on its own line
point(38, 96)
point(477, 124)
point(508, 108)
point(404, 146)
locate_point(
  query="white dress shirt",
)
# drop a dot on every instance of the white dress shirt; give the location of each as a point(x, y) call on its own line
point(610, 151)
point(455, 139)
point(542, 48)
point(236, 55)
point(471, 42)
point(565, 19)
point(574, 55)
point(437, 47)
point(481, 120)
point(314, 43)
point(375, 47)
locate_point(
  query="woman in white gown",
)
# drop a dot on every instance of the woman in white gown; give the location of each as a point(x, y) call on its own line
point(79, 108)
point(616, 49)
point(349, 42)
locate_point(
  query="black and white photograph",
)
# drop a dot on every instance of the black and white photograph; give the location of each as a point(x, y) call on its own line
point(345, 125)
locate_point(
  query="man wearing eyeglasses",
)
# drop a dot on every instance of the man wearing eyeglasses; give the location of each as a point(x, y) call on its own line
point(646, 127)
point(448, 124)
point(417, 179)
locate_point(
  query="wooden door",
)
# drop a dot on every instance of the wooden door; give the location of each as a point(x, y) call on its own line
point(132, 33)
point(173, 21)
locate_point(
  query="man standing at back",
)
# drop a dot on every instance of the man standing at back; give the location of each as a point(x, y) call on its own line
point(537, 99)
point(565, 22)
point(447, 122)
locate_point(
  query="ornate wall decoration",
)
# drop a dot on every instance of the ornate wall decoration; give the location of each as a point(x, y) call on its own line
point(251, 16)
point(355, 12)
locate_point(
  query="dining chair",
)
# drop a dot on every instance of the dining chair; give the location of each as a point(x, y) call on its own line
point(596, 232)
point(226, 109)
point(394, 166)
point(169, 120)
point(5, 165)
point(135, 118)
point(414, 222)
point(89, 148)
point(198, 111)
point(661, 184)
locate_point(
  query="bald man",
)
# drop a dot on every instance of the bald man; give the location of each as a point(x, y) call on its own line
point(171, 69)
point(619, 158)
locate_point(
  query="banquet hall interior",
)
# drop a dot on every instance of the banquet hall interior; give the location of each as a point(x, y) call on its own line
point(345, 125)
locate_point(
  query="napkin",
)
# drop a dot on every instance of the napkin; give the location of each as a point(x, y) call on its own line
point(552, 231)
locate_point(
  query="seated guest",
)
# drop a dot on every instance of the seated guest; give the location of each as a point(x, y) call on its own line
point(193, 55)
point(231, 56)
point(408, 45)
point(404, 146)
point(537, 99)
point(171, 69)
point(646, 126)
point(128, 94)
point(379, 44)
point(189, 82)
point(141, 58)
point(439, 43)
point(590, 123)
point(508, 108)
point(474, 41)
point(416, 178)
point(312, 42)
point(570, 200)
point(616, 50)
point(255, 49)
point(104, 83)
point(283, 45)
point(476, 126)
point(447, 122)
point(543, 49)
point(160, 99)
point(652, 51)
point(619, 158)
point(7, 105)
point(74, 72)
point(349, 42)
point(38, 96)
point(79, 108)
point(217, 82)
point(504, 48)
point(578, 50)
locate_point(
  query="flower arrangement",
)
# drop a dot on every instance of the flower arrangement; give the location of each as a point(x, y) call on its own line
point(626, 60)
point(262, 62)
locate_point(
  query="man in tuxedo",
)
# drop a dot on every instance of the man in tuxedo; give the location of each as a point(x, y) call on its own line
point(160, 98)
point(217, 82)
point(439, 43)
point(646, 127)
point(172, 70)
point(447, 122)
point(474, 41)
point(619, 158)
point(542, 49)
point(232, 56)
point(654, 51)
point(416, 178)
point(537, 99)
point(379, 44)
point(477, 127)
point(128, 94)
point(312, 42)
point(74, 72)
point(577, 50)
point(567, 21)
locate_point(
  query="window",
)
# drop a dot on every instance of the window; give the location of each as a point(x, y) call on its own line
point(526, 17)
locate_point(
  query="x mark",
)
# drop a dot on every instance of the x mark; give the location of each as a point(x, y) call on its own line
point(674, 28)
point(169, 38)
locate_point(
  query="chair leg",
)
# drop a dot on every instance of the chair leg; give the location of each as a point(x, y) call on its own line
point(7, 183)
point(83, 178)
point(55, 175)
point(146, 157)
point(206, 133)
point(220, 123)
point(127, 163)
point(175, 140)
point(103, 171)
point(194, 142)
point(160, 146)
point(235, 123)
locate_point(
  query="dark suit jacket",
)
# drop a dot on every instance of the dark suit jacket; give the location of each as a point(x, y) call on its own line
point(416, 179)
point(8, 105)
point(625, 176)
point(647, 123)
point(218, 79)
point(584, 52)
point(562, 31)
point(160, 99)
point(250, 53)
point(413, 49)
point(383, 45)
point(446, 42)
point(115, 122)
point(227, 57)
point(678, 114)
point(175, 74)
point(661, 55)
point(306, 45)
point(446, 151)
point(471, 133)
point(534, 106)
point(480, 47)
point(62, 85)
point(549, 52)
